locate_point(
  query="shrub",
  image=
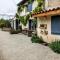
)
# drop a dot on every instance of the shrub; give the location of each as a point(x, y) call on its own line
point(55, 46)
point(14, 31)
point(7, 24)
point(36, 39)
point(2, 25)
point(20, 28)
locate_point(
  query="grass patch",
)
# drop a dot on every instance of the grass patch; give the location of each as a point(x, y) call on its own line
point(36, 39)
point(55, 46)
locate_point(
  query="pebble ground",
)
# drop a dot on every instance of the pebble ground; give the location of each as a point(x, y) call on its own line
point(19, 47)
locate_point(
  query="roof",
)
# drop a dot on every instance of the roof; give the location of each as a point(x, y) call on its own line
point(53, 11)
point(22, 2)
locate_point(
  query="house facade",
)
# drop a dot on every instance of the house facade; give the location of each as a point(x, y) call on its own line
point(27, 10)
point(48, 21)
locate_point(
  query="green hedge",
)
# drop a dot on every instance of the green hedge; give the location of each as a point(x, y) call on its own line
point(36, 39)
point(55, 46)
point(14, 31)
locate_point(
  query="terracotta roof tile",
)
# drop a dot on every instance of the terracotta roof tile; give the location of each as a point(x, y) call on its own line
point(44, 11)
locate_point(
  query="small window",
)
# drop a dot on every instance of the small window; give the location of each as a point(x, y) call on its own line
point(30, 7)
point(43, 26)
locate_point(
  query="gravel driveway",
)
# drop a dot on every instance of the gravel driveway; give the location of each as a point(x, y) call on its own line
point(19, 47)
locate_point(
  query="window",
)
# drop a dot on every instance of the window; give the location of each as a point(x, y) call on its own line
point(55, 24)
point(43, 26)
point(30, 7)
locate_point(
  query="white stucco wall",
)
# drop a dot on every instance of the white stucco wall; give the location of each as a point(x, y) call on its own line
point(50, 4)
point(15, 24)
point(34, 4)
point(46, 4)
point(50, 37)
point(23, 27)
point(23, 12)
point(12, 24)
point(45, 20)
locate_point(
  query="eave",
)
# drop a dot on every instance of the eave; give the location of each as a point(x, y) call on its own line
point(49, 12)
point(22, 2)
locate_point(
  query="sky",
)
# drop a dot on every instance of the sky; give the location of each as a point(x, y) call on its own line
point(8, 7)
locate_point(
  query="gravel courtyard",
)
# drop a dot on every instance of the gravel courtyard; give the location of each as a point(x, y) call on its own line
point(19, 47)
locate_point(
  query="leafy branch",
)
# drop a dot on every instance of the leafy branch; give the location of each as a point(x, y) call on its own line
point(39, 7)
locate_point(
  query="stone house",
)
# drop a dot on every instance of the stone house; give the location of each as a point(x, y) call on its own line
point(48, 19)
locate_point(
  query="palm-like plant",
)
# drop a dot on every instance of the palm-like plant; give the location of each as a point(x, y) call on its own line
point(30, 1)
point(24, 19)
point(19, 9)
point(17, 16)
point(41, 1)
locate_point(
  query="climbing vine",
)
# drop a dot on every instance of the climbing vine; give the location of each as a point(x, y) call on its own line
point(20, 8)
point(39, 7)
point(24, 19)
point(30, 1)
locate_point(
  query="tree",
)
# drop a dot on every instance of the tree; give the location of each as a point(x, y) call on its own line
point(4, 23)
point(7, 24)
